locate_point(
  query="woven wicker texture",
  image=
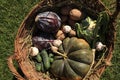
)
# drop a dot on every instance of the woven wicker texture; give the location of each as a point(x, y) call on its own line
point(92, 7)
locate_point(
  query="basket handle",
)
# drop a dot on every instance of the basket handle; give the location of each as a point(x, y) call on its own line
point(13, 69)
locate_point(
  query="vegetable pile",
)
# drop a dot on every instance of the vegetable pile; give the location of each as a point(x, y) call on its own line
point(65, 43)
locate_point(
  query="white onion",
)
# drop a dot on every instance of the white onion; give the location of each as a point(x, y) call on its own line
point(99, 46)
point(67, 28)
point(34, 51)
point(57, 43)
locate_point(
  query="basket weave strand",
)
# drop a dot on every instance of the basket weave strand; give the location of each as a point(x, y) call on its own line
point(21, 47)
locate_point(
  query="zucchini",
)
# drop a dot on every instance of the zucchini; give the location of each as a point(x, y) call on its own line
point(38, 66)
point(51, 59)
point(38, 58)
point(51, 55)
point(45, 59)
point(42, 67)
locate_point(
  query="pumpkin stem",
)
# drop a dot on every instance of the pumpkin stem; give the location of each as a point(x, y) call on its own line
point(54, 49)
point(61, 54)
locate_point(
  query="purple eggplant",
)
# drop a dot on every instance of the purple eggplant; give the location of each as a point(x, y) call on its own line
point(48, 22)
point(42, 41)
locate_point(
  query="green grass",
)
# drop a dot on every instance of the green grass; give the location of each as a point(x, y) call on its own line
point(12, 12)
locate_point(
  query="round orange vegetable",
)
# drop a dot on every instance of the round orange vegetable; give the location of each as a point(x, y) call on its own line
point(75, 14)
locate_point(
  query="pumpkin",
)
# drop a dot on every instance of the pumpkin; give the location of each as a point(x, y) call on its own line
point(78, 61)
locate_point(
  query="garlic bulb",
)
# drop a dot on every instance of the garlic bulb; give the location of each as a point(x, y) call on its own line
point(57, 43)
point(100, 46)
point(34, 51)
point(67, 28)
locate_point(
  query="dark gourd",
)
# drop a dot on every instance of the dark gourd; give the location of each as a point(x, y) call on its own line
point(78, 61)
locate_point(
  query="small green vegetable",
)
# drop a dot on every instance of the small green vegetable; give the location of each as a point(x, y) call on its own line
point(38, 66)
point(42, 67)
point(51, 55)
point(51, 59)
point(45, 58)
point(38, 58)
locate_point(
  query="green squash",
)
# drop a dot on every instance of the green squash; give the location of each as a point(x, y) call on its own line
point(77, 63)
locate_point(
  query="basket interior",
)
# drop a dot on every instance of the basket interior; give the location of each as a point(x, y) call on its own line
point(28, 26)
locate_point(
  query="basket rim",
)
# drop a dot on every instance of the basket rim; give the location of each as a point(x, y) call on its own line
point(34, 9)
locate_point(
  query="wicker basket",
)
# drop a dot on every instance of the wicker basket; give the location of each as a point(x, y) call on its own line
point(20, 54)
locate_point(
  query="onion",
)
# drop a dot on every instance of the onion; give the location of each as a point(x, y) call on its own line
point(57, 43)
point(100, 46)
point(66, 28)
point(33, 51)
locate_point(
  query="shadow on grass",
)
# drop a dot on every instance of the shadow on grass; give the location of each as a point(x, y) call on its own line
point(20, 72)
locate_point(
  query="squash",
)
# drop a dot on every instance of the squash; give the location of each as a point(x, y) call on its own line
point(78, 61)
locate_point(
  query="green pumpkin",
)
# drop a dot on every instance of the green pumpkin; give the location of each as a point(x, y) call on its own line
point(78, 61)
